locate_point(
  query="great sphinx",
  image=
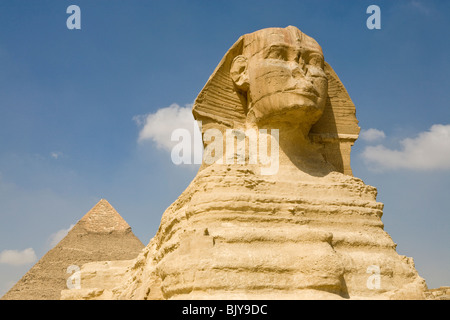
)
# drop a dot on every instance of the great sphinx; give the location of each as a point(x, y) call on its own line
point(310, 230)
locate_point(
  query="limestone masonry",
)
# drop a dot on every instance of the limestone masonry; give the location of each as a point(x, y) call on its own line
point(309, 231)
point(101, 234)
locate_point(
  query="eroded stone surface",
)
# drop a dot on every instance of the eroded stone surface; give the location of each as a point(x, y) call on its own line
point(101, 234)
point(309, 231)
point(442, 293)
point(290, 237)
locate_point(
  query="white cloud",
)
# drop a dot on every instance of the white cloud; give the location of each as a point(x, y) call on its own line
point(56, 237)
point(56, 154)
point(371, 135)
point(430, 150)
point(158, 127)
point(17, 258)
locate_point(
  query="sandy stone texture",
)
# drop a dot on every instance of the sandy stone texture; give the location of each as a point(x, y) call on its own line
point(306, 230)
point(101, 234)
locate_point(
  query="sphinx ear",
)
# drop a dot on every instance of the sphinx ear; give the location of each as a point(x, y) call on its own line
point(239, 72)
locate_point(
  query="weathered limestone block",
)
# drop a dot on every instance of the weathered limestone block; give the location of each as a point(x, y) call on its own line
point(98, 279)
point(442, 293)
point(101, 234)
point(307, 229)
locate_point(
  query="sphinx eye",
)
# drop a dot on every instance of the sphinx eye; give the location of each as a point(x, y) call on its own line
point(316, 60)
point(277, 53)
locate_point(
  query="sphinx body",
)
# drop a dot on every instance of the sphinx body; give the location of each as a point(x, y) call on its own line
point(236, 234)
point(310, 230)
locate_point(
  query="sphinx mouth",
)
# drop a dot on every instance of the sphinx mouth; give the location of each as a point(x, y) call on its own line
point(312, 95)
point(306, 90)
point(307, 94)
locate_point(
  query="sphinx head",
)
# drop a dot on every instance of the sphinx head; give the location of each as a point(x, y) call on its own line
point(281, 74)
point(277, 78)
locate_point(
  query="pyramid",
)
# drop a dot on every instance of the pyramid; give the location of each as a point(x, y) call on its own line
point(102, 234)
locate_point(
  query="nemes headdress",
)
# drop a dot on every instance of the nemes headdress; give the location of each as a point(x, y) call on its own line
point(221, 104)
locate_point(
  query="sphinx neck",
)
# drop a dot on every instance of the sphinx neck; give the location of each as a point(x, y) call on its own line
point(296, 151)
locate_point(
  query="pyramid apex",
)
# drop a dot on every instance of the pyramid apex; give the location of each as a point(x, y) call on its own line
point(102, 201)
point(103, 218)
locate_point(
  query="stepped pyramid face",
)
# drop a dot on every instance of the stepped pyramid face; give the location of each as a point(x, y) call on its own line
point(102, 234)
point(103, 218)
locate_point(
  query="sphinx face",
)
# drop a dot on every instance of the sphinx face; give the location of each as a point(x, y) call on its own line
point(286, 78)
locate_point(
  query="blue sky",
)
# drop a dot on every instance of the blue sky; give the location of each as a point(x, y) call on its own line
point(70, 100)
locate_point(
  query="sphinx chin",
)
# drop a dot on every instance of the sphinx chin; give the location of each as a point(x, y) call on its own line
point(292, 116)
point(291, 107)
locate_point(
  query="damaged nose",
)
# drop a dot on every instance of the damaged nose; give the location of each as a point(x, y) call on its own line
point(298, 71)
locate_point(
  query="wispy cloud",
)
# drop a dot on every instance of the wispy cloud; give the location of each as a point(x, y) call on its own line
point(56, 237)
point(159, 126)
point(17, 258)
point(421, 6)
point(429, 150)
point(371, 135)
point(56, 154)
